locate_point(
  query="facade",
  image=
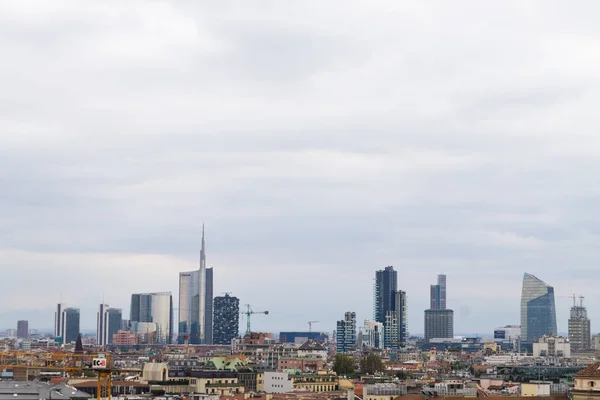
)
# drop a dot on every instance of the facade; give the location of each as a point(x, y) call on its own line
point(22, 329)
point(580, 334)
point(108, 323)
point(156, 308)
point(372, 334)
point(293, 337)
point(70, 325)
point(58, 315)
point(439, 324)
point(508, 332)
point(438, 294)
point(209, 314)
point(386, 283)
point(277, 382)
point(439, 321)
point(124, 338)
point(551, 346)
point(538, 313)
point(193, 288)
point(226, 319)
point(321, 382)
point(346, 333)
point(587, 384)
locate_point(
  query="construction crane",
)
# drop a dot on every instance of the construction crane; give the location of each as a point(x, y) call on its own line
point(310, 325)
point(68, 363)
point(248, 313)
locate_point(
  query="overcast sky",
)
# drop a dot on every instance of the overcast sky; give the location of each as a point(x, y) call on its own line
point(318, 140)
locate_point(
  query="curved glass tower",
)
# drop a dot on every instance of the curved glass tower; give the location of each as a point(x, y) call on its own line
point(538, 312)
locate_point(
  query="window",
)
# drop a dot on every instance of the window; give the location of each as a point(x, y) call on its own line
point(591, 384)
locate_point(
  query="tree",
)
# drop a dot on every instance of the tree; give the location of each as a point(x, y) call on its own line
point(401, 375)
point(371, 364)
point(343, 364)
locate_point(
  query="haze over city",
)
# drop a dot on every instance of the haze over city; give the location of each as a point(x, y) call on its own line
point(317, 143)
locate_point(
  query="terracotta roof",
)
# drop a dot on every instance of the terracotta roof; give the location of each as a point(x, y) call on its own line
point(592, 370)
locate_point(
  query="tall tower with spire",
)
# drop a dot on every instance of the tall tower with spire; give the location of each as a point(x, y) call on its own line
point(194, 291)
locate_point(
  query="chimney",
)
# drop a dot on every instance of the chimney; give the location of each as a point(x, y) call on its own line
point(350, 394)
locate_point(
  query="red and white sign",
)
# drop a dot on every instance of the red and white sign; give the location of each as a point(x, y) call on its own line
point(99, 363)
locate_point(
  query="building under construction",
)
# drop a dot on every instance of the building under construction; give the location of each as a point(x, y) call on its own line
point(579, 326)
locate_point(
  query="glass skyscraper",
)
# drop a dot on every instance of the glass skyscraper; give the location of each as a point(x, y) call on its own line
point(538, 312)
point(196, 303)
point(386, 284)
point(156, 308)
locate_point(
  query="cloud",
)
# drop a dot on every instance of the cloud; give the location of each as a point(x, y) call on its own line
point(317, 143)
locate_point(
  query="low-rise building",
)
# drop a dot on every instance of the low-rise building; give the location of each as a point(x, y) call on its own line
point(551, 346)
point(277, 382)
point(383, 391)
point(587, 383)
point(321, 382)
point(535, 389)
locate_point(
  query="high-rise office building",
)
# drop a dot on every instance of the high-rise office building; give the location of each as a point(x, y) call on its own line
point(538, 312)
point(70, 325)
point(195, 302)
point(108, 323)
point(395, 329)
point(439, 321)
point(226, 319)
point(439, 324)
point(386, 284)
point(346, 333)
point(208, 314)
point(58, 324)
point(156, 308)
point(390, 307)
point(22, 329)
point(438, 294)
point(579, 327)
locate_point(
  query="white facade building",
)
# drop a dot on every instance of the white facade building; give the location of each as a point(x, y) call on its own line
point(550, 346)
point(277, 382)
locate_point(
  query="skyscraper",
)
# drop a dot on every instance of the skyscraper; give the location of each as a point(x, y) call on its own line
point(70, 325)
point(108, 323)
point(22, 329)
point(579, 327)
point(58, 324)
point(195, 302)
point(439, 321)
point(101, 322)
point(226, 319)
point(438, 294)
point(208, 314)
point(346, 333)
point(386, 284)
point(156, 308)
point(538, 313)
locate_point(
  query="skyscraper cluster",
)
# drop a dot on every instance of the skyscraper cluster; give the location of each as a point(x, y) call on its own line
point(389, 306)
point(66, 323)
point(151, 315)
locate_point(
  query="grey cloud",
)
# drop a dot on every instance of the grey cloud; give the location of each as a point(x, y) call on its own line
point(317, 143)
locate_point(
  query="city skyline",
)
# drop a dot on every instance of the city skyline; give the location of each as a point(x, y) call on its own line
point(437, 296)
point(319, 144)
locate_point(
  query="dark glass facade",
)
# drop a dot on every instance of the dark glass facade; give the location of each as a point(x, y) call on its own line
point(386, 284)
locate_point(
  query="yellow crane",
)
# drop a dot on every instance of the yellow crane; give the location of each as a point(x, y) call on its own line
point(69, 363)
